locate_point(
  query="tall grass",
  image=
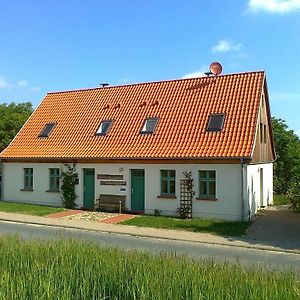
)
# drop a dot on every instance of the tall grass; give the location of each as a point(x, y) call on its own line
point(76, 270)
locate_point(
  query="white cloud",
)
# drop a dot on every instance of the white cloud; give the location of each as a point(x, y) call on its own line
point(4, 84)
point(225, 46)
point(198, 73)
point(274, 6)
point(22, 83)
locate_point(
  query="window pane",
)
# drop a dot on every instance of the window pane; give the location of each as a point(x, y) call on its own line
point(28, 178)
point(104, 127)
point(212, 188)
point(28, 171)
point(164, 187)
point(164, 173)
point(203, 190)
point(202, 174)
point(54, 172)
point(172, 173)
point(212, 174)
point(54, 179)
point(52, 183)
point(172, 187)
point(149, 125)
point(47, 130)
point(26, 182)
point(215, 122)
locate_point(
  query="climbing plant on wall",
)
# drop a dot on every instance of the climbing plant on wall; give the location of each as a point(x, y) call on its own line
point(68, 177)
point(186, 196)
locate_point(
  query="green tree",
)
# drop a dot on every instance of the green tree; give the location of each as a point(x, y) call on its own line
point(12, 118)
point(287, 165)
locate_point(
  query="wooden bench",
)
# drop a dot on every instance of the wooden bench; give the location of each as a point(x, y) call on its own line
point(110, 203)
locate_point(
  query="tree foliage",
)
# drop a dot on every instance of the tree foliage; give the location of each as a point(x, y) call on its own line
point(12, 118)
point(287, 165)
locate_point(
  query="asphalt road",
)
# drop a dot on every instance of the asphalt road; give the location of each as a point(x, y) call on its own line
point(245, 256)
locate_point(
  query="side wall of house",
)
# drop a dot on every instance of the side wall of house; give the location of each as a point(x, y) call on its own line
point(227, 204)
point(259, 187)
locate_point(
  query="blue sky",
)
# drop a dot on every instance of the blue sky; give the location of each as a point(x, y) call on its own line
point(59, 45)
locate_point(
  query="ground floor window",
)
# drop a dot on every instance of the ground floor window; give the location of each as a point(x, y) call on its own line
point(54, 179)
point(28, 178)
point(207, 184)
point(167, 182)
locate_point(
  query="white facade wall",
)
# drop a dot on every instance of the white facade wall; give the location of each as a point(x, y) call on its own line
point(13, 183)
point(259, 186)
point(228, 186)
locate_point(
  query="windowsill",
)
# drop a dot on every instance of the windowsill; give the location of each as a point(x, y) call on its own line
point(53, 191)
point(26, 190)
point(206, 199)
point(167, 197)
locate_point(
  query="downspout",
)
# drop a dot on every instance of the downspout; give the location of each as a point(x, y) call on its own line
point(242, 190)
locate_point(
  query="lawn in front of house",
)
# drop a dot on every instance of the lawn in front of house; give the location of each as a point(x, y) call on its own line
point(28, 209)
point(213, 226)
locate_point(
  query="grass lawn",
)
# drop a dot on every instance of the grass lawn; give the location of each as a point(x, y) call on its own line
point(196, 225)
point(28, 209)
point(66, 270)
point(280, 199)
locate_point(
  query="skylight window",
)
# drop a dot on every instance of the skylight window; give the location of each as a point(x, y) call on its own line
point(149, 125)
point(216, 122)
point(104, 127)
point(47, 130)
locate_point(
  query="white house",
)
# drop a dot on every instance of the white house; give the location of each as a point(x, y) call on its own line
point(137, 140)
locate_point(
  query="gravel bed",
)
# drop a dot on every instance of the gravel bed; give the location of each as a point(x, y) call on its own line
point(91, 216)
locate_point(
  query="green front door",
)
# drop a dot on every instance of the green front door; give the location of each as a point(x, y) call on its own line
point(88, 188)
point(137, 190)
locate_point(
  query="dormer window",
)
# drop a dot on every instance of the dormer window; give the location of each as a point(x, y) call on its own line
point(215, 122)
point(104, 127)
point(47, 130)
point(149, 125)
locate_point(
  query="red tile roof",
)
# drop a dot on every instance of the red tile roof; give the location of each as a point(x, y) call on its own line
point(182, 106)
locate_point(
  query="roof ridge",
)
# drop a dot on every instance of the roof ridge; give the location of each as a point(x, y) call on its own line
point(150, 82)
